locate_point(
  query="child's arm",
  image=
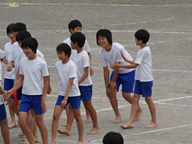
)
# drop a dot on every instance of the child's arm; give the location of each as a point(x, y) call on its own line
point(1, 91)
point(45, 87)
point(106, 78)
point(113, 81)
point(129, 61)
point(91, 70)
point(10, 66)
point(117, 65)
point(84, 75)
point(64, 101)
point(17, 78)
point(7, 94)
point(49, 85)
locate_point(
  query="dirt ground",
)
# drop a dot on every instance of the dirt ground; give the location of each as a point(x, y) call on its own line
point(170, 25)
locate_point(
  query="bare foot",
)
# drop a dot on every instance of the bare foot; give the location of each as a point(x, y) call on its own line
point(88, 120)
point(117, 120)
point(65, 131)
point(151, 125)
point(12, 125)
point(53, 143)
point(26, 142)
point(127, 126)
point(80, 142)
point(64, 125)
point(36, 140)
point(94, 131)
point(138, 115)
point(25, 139)
point(21, 134)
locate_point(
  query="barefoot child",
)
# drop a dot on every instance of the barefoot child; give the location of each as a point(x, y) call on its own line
point(143, 77)
point(109, 53)
point(34, 79)
point(68, 91)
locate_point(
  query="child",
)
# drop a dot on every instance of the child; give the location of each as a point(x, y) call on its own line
point(110, 53)
point(113, 138)
point(9, 76)
point(81, 60)
point(76, 26)
point(143, 76)
point(34, 79)
point(68, 91)
point(3, 121)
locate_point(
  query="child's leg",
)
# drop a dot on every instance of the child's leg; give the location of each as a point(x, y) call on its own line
point(88, 117)
point(23, 125)
point(127, 96)
point(35, 133)
point(70, 118)
point(56, 115)
point(79, 121)
point(134, 110)
point(90, 108)
point(113, 100)
point(66, 111)
point(152, 111)
point(42, 127)
point(12, 115)
point(5, 131)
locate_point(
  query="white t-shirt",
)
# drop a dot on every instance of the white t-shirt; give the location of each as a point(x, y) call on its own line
point(66, 71)
point(143, 70)
point(8, 48)
point(1, 100)
point(114, 55)
point(15, 55)
point(81, 60)
point(2, 55)
point(33, 71)
point(85, 47)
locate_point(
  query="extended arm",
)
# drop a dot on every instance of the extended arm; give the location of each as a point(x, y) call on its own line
point(91, 70)
point(45, 87)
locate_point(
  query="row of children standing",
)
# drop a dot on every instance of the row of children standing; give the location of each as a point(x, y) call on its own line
point(74, 70)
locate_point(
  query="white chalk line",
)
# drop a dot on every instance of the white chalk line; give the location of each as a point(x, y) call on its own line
point(112, 5)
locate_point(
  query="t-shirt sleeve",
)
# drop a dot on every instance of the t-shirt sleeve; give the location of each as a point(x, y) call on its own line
point(2, 54)
point(85, 60)
point(119, 57)
point(20, 68)
point(86, 47)
point(139, 58)
point(72, 71)
point(44, 69)
point(103, 61)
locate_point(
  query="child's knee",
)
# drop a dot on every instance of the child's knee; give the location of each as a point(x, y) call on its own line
point(148, 100)
point(55, 116)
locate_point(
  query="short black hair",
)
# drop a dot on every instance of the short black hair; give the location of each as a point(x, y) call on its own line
point(143, 35)
point(73, 24)
point(19, 27)
point(63, 47)
point(79, 38)
point(105, 33)
point(22, 35)
point(113, 138)
point(9, 28)
point(30, 43)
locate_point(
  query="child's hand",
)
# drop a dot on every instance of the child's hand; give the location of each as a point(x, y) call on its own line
point(112, 85)
point(9, 67)
point(5, 60)
point(63, 103)
point(115, 65)
point(91, 71)
point(43, 105)
point(49, 89)
point(7, 95)
point(15, 83)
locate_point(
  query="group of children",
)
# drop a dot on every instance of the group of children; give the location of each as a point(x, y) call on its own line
point(27, 81)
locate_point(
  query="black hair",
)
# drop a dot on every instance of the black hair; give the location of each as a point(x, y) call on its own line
point(22, 35)
point(73, 24)
point(143, 35)
point(9, 28)
point(30, 43)
point(113, 138)
point(19, 27)
point(105, 33)
point(63, 47)
point(79, 38)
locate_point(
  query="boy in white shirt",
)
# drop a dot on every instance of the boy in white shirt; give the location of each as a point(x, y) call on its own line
point(9, 75)
point(143, 77)
point(68, 91)
point(76, 26)
point(81, 60)
point(109, 53)
point(34, 79)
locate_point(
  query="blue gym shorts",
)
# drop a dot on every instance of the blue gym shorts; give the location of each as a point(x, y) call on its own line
point(19, 94)
point(31, 101)
point(2, 112)
point(8, 84)
point(86, 92)
point(127, 80)
point(75, 101)
point(143, 88)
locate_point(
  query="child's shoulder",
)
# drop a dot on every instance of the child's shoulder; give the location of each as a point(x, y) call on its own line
point(117, 45)
point(67, 40)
